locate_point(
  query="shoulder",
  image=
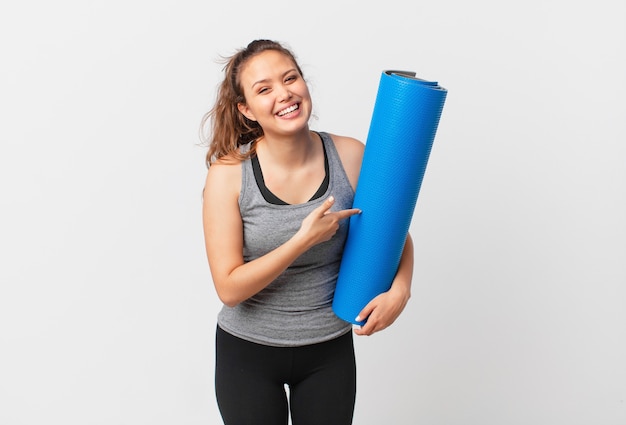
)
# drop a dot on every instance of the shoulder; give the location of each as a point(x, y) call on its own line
point(347, 145)
point(350, 152)
point(223, 178)
point(348, 148)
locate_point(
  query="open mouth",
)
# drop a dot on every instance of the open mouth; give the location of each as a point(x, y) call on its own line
point(288, 110)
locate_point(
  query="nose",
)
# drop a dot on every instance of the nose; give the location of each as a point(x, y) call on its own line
point(285, 94)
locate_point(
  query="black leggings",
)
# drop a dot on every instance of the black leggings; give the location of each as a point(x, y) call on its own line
point(250, 379)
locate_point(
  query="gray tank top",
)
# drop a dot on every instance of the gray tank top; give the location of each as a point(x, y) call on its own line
point(296, 308)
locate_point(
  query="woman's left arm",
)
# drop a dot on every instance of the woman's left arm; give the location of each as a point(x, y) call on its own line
point(385, 308)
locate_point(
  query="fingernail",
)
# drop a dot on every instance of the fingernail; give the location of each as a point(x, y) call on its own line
point(358, 319)
point(331, 199)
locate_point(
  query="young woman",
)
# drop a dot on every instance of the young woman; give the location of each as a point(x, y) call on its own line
point(276, 202)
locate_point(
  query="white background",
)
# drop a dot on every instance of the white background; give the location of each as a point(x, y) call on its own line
point(518, 315)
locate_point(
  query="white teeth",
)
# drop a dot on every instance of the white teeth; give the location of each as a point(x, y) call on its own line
point(287, 110)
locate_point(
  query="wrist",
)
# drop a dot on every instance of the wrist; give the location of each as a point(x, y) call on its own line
point(401, 288)
point(301, 242)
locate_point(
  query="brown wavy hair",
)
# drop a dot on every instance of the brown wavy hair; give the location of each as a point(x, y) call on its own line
point(229, 128)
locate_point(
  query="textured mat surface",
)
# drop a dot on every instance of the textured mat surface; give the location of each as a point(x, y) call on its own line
point(402, 130)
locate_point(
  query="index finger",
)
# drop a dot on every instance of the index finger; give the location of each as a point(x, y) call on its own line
point(347, 213)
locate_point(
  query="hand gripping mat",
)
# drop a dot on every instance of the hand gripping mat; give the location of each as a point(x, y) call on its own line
point(403, 126)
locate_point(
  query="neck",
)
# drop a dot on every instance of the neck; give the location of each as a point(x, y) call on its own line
point(289, 151)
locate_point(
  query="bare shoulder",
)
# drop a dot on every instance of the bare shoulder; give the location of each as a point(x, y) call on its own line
point(348, 145)
point(350, 152)
point(223, 179)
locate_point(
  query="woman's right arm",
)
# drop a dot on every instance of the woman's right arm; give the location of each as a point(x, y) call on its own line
point(235, 280)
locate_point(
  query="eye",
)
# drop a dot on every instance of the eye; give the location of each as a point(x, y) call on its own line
point(291, 78)
point(263, 90)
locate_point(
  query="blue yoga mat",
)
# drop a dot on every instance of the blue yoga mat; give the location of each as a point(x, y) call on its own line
point(402, 130)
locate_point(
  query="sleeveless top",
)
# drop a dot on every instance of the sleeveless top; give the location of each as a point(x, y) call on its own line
point(296, 308)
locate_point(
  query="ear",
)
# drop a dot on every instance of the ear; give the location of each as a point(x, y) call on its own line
point(245, 111)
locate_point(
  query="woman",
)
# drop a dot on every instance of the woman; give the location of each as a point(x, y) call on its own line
point(276, 202)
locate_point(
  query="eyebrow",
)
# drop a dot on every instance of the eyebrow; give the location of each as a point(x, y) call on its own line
point(265, 80)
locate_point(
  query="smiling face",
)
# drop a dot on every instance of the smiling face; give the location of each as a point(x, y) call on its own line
point(277, 97)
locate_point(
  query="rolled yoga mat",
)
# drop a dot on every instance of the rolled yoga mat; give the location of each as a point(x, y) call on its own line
point(402, 130)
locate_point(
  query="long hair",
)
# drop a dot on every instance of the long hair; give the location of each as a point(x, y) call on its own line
point(229, 128)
